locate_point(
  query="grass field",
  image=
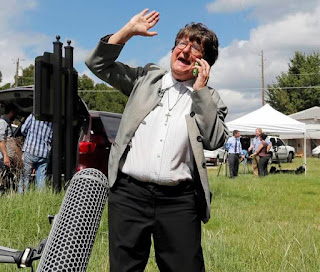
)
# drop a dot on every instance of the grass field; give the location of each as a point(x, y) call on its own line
point(257, 224)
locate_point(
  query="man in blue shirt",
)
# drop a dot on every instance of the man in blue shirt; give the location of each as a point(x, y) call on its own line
point(254, 146)
point(37, 149)
point(234, 148)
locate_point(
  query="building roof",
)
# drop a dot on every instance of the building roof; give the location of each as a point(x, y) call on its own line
point(312, 113)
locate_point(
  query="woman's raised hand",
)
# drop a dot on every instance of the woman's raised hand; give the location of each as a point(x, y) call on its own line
point(138, 25)
point(143, 21)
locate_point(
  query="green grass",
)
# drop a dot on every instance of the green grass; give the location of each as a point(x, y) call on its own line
point(257, 224)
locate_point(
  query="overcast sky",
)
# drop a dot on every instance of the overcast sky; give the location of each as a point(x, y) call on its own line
point(244, 29)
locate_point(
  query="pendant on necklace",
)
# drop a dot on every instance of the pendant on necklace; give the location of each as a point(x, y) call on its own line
point(167, 115)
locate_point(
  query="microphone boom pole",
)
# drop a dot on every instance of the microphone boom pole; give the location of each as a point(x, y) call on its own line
point(70, 242)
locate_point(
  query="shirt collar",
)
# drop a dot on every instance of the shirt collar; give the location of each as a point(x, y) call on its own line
point(189, 84)
point(168, 81)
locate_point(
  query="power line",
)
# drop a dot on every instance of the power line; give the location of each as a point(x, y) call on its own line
point(243, 89)
point(301, 87)
point(303, 74)
point(283, 88)
point(98, 91)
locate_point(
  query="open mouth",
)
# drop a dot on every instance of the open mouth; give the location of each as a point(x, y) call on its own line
point(184, 61)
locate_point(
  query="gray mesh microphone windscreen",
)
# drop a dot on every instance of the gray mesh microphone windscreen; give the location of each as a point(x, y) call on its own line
point(74, 229)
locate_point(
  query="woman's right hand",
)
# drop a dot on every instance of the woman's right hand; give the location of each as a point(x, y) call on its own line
point(139, 25)
point(142, 22)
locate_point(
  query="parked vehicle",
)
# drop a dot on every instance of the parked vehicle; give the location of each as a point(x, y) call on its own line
point(95, 141)
point(22, 98)
point(95, 131)
point(215, 156)
point(285, 152)
point(316, 152)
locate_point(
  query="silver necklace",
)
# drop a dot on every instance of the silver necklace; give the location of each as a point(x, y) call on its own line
point(170, 109)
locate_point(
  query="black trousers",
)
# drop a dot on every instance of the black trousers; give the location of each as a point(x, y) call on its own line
point(263, 165)
point(138, 211)
point(233, 160)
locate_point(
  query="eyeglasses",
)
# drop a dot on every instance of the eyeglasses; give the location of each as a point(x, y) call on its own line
point(196, 49)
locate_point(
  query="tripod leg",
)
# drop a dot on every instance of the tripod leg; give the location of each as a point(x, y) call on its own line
point(219, 169)
point(225, 163)
point(278, 160)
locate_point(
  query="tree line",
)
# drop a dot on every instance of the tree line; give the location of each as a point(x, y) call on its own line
point(294, 90)
point(299, 88)
point(97, 96)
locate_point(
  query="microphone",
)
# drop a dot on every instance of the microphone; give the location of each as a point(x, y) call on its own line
point(74, 229)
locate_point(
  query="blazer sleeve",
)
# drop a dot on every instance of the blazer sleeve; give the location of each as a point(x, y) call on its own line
point(210, 113)
point(102, 62)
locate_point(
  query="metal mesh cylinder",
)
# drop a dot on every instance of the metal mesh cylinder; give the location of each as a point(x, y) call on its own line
point(74, 229)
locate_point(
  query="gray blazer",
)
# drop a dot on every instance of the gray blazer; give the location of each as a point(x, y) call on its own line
point(205, 122)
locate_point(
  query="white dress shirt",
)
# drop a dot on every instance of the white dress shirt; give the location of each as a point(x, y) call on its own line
point(160, 149)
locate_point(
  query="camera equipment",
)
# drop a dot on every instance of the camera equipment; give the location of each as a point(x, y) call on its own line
point(225, 155)
point(301, 169)
point(69, 245)
point(273, 170)
point(275, 149)
point(23, 258)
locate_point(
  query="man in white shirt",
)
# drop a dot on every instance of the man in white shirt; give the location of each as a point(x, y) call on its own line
point(159, 184)
point(253, 147)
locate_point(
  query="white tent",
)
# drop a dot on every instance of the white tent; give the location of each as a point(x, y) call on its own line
point(270, 121)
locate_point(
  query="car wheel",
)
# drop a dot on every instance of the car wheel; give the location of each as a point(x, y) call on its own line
point(290, 156)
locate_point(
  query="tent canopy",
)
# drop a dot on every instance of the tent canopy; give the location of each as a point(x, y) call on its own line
point(269, 120)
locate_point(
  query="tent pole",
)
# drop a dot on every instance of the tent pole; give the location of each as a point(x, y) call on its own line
point(305, 153)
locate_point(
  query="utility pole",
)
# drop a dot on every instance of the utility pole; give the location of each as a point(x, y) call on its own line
point(17, 73)
point(262, 78)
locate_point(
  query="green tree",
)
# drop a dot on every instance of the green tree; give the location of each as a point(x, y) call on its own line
point(27, 77)
point(102, 86)
point(288, 94)
point(100, 96)
point(85, 83)
point(104, 100)
point(5, 86)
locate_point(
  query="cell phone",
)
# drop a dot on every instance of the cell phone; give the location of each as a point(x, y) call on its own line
point(195, 70)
